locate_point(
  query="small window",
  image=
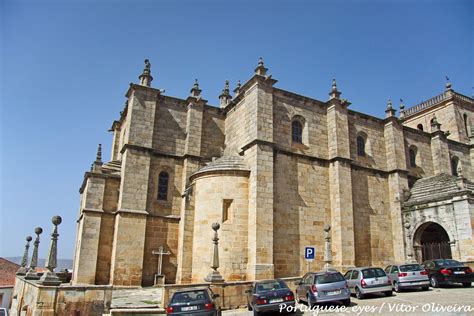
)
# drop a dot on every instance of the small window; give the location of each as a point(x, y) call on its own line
point(360, 146)
point(355, 275)
point(297, 131)
point(454, 166)
point(412, 156)
point(163, 179)
point(226, 209)
point(420, 127)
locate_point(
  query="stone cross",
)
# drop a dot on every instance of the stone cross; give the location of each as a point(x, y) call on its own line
point(31, 274)
point(50, 278)
point(24, 260)
point(327, 246)
point(161, 252)
point(215, 276)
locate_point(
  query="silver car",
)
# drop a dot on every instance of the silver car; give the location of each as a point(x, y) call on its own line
point(408, 276)
point(325, 286)
point(368, 280)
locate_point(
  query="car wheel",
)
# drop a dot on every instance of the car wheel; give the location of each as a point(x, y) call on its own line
point(396, 286)
point(359, 294)
point(388, 293)
point(425, 288)
point(434, 281)
point(346, 302)
point(466, 284)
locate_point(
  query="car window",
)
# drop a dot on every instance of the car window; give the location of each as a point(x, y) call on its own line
point(270, 286)
point(373, 273)
point(410, 268)
point(394, 269)
point(189, 296)
point(347, 275)
point(355, 275)
point(387, 269)
point(447, 263)
point(329, 278)
point(309, 279)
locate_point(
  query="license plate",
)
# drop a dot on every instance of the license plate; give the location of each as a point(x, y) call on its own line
point(458, 272)
point(334, 292)
point(276, 300)
point(189, 308)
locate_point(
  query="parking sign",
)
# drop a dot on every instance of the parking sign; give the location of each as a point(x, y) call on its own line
point(309, 253)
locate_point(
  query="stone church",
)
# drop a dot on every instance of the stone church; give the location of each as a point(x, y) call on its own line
point(273, 168)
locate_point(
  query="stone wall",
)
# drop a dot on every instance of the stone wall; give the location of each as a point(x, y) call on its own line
point(424, 158)
point(211, 192)
point(213, 128)
point(169, 132)
point(301, 208)
point(160, 231)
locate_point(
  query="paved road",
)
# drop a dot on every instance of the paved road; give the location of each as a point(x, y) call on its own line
point(432, 302)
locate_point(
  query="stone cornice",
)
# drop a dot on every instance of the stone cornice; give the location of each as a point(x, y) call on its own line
point(255, 142)
point(89, 174)
point(134, 86)
point(157, 153)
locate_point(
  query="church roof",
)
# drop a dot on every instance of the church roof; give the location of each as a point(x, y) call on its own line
point(7, 272)
point(224, 163)
point(435, 101)
point(438, 187)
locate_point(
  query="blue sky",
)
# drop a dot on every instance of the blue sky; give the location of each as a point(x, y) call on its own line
point(66, 65)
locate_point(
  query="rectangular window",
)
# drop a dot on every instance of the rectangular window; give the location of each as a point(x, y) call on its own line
point(226, 209)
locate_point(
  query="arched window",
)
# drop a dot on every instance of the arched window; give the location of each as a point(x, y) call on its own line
point(360, 146)
point(163, 179)
point(412, 155)
point(420, 127)
point(297, 131)
point(454, 166)
point(466, 124)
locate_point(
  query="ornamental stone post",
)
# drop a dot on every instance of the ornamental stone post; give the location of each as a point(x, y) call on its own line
point(31, 274)
point(22, 270)
point(49, 277)
point(215, 276)
point(327, 247)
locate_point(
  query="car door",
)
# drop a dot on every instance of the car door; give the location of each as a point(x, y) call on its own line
point(354, 280)
point(394, 274)
point(388, 273)
point(300, 290)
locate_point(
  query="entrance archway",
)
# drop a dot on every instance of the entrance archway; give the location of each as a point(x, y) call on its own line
point(431, 241)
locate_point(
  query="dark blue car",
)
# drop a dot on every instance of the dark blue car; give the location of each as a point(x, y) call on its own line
point(194, 301)
point(268, 296)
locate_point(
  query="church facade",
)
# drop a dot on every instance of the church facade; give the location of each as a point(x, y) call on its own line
point(273, 168)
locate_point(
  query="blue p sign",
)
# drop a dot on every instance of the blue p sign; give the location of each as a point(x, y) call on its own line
point(309, 253)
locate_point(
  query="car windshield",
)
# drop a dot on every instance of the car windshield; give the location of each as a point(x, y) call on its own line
point(447, 263)
point(373, 273)
point(189, 296)
point(329, 278)
point(270, 286)
point(411, 267)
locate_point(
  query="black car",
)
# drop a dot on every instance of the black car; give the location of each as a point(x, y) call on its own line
point(445, 271)
point(267, 296)
point(194, 301)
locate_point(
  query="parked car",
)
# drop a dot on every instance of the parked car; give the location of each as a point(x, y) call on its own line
point(268, 295)
point(407, 276)
point(194, 301)
point(367, 280)
point(445, 271)
point(324, 286)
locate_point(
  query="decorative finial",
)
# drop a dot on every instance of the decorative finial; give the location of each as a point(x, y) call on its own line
point(237, 89)
point(390, 111)
point(261, 70)
point(50, 277)
point(402, 106)
point(22, 270)
point(145, 77)
point(448, 83)
point(195, 91)
point(32, 274)
point(435, 125)
point(99, 154)
point(334, 94)
point(225, 96)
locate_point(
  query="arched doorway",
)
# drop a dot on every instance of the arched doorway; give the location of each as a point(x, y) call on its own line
point(431, 241)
